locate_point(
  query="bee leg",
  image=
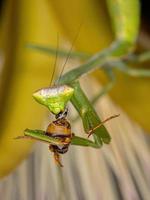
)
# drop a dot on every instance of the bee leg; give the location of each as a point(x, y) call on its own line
point(56, 156)
point(90, 132)
point(57, 159)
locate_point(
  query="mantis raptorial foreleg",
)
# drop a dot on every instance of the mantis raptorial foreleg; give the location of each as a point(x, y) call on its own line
point(89, 117)
point(40, 136)
point(84, 142)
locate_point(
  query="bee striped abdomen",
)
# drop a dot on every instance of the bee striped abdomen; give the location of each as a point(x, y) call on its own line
point(60, 129)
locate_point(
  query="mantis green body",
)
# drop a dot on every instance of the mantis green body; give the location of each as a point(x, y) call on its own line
point(68, 88)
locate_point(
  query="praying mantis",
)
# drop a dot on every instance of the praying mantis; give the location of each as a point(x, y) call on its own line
point(68, 87)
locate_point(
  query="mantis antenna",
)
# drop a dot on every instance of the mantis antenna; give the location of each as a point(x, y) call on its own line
point(55, 62)
point(69, 52)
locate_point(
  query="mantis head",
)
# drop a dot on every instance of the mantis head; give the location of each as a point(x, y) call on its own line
point(54, 98)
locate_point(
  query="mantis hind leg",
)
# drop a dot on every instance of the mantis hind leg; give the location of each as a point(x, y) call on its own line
point(56, 156)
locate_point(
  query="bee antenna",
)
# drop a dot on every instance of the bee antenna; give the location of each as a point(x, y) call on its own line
point(69, 52)
point(55, 62)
